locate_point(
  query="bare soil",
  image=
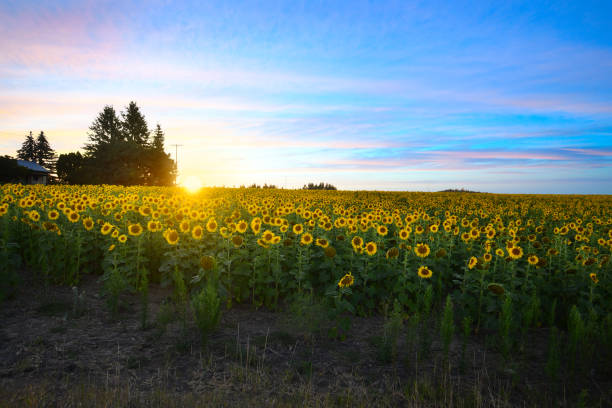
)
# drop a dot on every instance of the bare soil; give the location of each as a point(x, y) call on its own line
point(55, 351)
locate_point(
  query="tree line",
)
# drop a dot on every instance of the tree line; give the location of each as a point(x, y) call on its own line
point(120, 150)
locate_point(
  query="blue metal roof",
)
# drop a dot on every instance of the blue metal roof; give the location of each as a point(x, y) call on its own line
point(32, 166)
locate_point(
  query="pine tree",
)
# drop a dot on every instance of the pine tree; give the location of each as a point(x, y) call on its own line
point(28, 149)
point(134, 125)
point(44, 154)
point(158, 138)
point(104, 130)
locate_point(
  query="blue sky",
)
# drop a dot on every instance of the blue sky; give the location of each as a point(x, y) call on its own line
point(509, 98)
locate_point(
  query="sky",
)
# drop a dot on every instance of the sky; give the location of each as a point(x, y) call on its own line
point(502, 97)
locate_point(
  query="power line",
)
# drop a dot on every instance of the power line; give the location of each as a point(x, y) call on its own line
point(176, 146)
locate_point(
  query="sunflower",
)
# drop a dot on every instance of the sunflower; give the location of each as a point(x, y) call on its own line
point(424, 272)
point(422, 250)
point(346, 281)
point(197, 232)
point(473, 262)
point(392, 253)
point(267, 236)
point(211, 225)
point(53, 215)
point(515, 252)
point(322, 242)
point(172, 236)
point(298, 229)
point(237, 240)
point(88, 223)
point(207, 262)
point(135, 229)
point(382, 230)
point(496, 288)
point(357, 242)
point(73, 216)
point(434, 228)
point(122, 238)
point(152, 226)
point(330, 252)
point(370, 248)
point(487, 257)
point(306, 239)
point(533, 260)
point(110, 248)
point(106, 228)
point(242, 226)
point(184, 226)
point(404, 234)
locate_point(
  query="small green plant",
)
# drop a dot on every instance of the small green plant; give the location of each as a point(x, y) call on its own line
point(575, 327)
point(180, 296)
point(165, 315)
point(206, 310)
point(143, 288)
point(392, 330)
point(448, 326)
point(114, 284)
point(425, 335)
point(505, 327)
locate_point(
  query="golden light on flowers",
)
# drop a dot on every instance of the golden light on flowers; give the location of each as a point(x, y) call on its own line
point(422, 250)
point(192, 184)
point(346, 281)
point(135, 229)
point(424, 272)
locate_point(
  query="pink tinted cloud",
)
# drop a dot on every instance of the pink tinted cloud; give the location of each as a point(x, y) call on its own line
point(592, 152)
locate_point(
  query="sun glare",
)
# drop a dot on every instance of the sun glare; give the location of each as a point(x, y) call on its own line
point(192, 184)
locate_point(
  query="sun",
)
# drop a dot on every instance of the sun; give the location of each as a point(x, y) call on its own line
point(192, 184)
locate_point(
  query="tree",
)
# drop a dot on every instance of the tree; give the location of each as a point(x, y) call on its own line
point(104, 130)
point(70, 168)
point(320, 186)
point(44, 154)
point(134, 126)
point(158, 138)
point(10, 171)
point(118, 151)
point(28, 149)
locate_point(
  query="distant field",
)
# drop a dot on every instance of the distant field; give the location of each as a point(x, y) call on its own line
point(442, 266)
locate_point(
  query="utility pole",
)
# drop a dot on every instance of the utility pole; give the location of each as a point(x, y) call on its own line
point(176, 146)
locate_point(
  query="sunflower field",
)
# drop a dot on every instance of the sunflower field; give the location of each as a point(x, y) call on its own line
point(534, 261)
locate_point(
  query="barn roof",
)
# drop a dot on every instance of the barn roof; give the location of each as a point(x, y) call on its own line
point(32, 166)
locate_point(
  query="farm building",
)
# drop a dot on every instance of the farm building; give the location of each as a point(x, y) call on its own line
point(35, 173)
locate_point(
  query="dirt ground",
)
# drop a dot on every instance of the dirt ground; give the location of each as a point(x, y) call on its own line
point(61, 347)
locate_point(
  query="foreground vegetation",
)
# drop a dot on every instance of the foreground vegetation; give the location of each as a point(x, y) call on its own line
point(440, 269)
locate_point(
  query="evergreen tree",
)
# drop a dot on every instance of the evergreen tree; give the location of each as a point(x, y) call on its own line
point(158, 138)
point(28, 149)
point(104, 130)
point(134, 125)
point(44, 154)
